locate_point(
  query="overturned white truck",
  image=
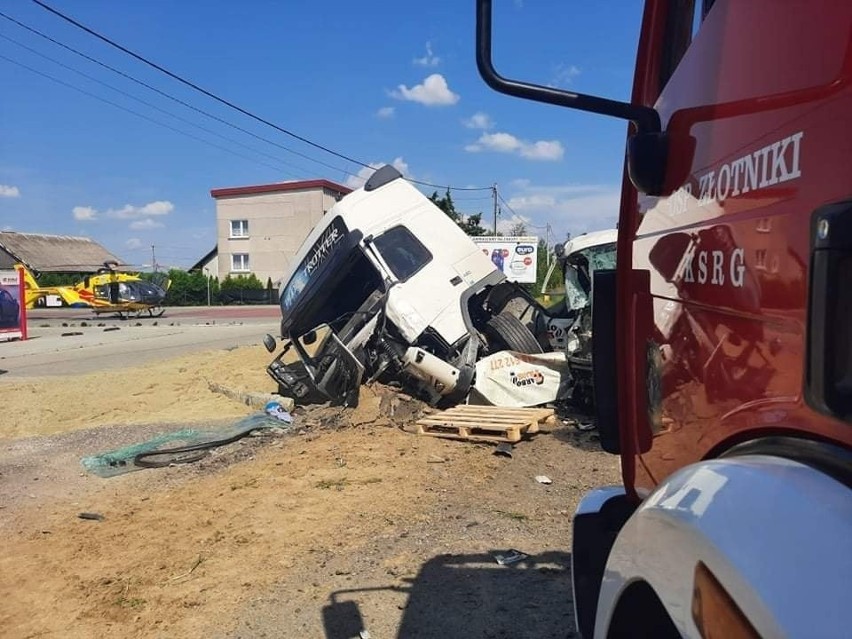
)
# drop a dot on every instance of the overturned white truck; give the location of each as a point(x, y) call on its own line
point(387, 287)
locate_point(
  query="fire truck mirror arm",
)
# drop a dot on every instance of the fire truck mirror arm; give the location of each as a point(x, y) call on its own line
point(646, 119)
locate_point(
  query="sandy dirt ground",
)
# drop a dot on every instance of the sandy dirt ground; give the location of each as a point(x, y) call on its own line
point(349, 523)
point(174, 390)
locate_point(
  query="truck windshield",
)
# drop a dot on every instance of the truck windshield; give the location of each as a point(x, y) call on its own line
point(579, 272)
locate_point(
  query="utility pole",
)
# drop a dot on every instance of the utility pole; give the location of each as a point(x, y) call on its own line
point(494, 197)
point(153, 259)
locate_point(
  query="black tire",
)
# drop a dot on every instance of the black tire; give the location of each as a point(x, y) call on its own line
point(505, 331)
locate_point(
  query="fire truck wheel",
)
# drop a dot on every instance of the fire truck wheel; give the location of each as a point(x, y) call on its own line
point(505, 331)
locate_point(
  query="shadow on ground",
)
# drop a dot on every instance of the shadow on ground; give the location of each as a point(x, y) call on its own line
point(588, 440)
point(469, 596)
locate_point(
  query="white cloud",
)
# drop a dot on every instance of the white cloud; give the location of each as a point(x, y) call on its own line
point(9, 191)
point(84, 213)
point(575, 208)
point(385, 112)
point(145, 224)
point(428, 60)
point(142, 214)
point(499, 142)
point(357, 181)
point(564, 74)
point(130, 212)
point(133, 243)
point(545, 150)
point(8, 228)
point(479, 120)
point(434, 91)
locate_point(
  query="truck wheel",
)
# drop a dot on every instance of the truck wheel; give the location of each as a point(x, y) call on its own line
point(505, 331)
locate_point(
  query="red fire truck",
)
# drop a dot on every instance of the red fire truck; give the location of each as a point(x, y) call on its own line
point(723, 339)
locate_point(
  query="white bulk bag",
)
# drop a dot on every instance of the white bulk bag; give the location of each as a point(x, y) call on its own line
point(509, 378)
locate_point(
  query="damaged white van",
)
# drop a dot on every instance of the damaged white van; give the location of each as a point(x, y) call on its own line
point(388, 287)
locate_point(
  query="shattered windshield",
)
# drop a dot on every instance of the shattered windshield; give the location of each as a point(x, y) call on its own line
point(579, 271)
point(333, 279)
point(339, 294)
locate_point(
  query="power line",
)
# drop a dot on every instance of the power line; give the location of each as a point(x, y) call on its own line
point(228, 103)
point(153, 106)
point(515, 213)
point(450, 188)
point(136, 113)
point(194, 86)
point(506, 204)
point(171, 97)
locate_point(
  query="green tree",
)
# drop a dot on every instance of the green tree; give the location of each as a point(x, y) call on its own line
point(250, 282)
point(472, 224)
point(186, 289)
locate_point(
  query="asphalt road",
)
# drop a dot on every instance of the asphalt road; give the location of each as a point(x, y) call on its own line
point(72, 341)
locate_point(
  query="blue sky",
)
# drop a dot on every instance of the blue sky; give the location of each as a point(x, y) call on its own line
point(382, 82)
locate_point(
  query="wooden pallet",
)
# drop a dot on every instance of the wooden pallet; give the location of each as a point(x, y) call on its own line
point(484, 423)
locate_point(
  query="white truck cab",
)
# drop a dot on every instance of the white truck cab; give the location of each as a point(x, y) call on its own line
point(394, 286)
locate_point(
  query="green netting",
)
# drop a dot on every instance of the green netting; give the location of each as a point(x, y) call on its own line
point(120, 461)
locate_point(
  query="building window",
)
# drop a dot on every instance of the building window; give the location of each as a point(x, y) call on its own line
point(239, 228)
point(240, 262)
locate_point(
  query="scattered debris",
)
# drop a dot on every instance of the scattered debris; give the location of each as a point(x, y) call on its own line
point(112, 328)
point(71, 334)
point(543, 479)
point(255, 400)
point(197, 563)
point(435, 459)
point(505, 450)
point(179, 447)
point(510, 557)
point(91, 516)
point(277, 411)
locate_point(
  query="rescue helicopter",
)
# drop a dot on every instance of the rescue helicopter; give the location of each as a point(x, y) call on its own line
point(106, 291)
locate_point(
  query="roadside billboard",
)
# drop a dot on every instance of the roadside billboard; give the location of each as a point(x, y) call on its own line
point(517, 257)
point(13, 314)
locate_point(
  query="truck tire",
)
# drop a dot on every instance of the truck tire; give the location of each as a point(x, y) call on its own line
point(505, 331)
